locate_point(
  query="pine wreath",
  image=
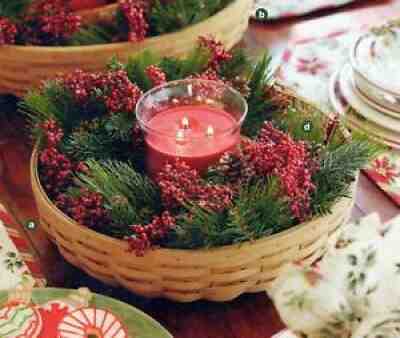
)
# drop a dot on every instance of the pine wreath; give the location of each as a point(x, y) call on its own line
point(92, 150)
point(54, 23)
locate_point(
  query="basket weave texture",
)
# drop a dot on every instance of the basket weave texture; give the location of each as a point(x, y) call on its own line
point(24, 67)
point(219, 274)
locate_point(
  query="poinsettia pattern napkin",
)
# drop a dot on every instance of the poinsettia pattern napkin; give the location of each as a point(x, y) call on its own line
point(352, 292)
point(286, 8)
point(15, 260)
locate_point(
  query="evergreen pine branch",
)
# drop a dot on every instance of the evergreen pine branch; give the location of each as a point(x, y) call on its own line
point(136, 69)
point(114, 64)
point(172, 67)
point(52, 102)
point(120, 126)
point(103, 140)
point(166, 17)
point(130, 197)
point(13, 9)
point(259, 106)
point(239, 65)
point(195, 63)
point(338, 169)
point(199, 228)
point(92, 35)
point(259, 211)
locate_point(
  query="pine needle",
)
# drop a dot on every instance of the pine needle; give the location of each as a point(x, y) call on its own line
point(338, 170)
point(239, 65)
point(92, 35)
point(136, 69)
point(166, 17)
point(259, 106)
point(130, 197)
point(257, 212)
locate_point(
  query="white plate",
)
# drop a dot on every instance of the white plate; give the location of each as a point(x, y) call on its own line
point(371, 114)
point(374, 104)
point(355, 122)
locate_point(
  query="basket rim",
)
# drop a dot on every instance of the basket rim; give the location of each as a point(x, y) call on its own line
point(117, 45)
point(89, 232)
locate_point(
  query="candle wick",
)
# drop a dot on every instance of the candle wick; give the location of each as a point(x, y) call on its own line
point(210, 131)
point(185, 123)
point(180, 135)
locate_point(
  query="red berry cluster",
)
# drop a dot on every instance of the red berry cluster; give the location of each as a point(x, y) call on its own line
point(86, 209)
point(276, 153)
point(180, 184)
point(210, 75)
point(8, 32)
point(134, 13)
point(117, 92)
point(156, 75)
point(56, 168)
point(52, 132)
point(120, 94)
point(217, 50)
point(212, 89)
point(50, 22)
point(56, 171)
point(145, 236)
point(79, 83)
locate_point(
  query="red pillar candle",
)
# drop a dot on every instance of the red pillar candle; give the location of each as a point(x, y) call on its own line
point(184, 120)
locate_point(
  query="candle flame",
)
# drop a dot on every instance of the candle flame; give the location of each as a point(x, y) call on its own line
point(210, 131)
point(185, 123)
point(180, 135)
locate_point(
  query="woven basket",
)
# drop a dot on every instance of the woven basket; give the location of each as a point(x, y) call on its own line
point(219, 274)
point(23, 67)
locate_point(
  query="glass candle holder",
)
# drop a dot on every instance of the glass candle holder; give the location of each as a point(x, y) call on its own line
point(193, 120)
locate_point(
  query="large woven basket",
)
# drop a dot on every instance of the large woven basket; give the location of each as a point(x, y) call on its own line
point(24, 67)
point(219, 274)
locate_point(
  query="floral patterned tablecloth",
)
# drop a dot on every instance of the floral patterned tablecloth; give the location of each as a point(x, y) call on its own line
point(15, 259)
point(286, 8)
point(306, 68)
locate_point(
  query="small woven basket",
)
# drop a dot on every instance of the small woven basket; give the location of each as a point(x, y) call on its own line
point(219, 274)
point(24, 67)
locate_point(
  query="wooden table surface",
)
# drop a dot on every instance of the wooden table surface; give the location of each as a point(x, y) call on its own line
point(250, 316)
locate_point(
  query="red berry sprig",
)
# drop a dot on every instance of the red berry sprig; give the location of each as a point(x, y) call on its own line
point(120, 94)
point(217, 50)
point(134, 13)
point(156, 75)
point(56, 171)
point(276, 153)
point(52, 132)
point(180, 184)
point(145, 236)
point(8, 32)
point(50, 22)
point(114, 88)
point(79, 83)
point(86, 209)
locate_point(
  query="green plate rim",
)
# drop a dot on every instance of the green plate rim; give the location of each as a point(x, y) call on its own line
point(63, 292)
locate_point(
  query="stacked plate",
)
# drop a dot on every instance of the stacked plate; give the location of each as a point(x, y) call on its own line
point(366, 90)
